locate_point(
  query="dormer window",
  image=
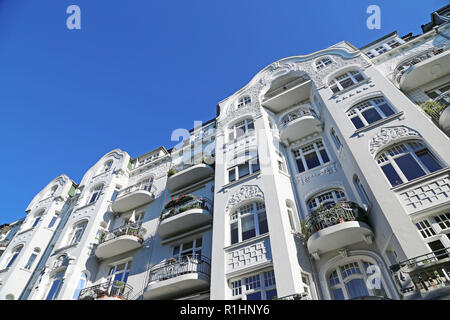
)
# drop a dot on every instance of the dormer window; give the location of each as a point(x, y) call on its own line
point(345, 81)
point(243, 102)
point(107, 165)
point(322, 63)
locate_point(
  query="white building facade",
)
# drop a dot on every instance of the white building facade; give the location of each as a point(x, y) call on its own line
point(326, 177)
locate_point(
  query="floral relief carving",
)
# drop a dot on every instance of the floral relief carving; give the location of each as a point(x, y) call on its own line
point(244, 193)
point(387, 135)
point(306, 178)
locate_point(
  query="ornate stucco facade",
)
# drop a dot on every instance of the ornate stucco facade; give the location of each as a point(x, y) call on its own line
point(326, 177)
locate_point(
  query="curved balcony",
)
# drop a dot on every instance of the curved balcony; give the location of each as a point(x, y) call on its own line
point(107, 291)
point(299, 124)
point(186, 174)
point(439, 110)
point(344, 224)
point(120, 240)
point(134, 196)
point(3, 245)
point(177, 277)
point(187, 215)
point(287, 93)
point(422, 68)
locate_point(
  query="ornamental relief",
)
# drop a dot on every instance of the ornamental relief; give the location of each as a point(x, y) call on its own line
point(327, 170)
point(387, 135)
point(157, 171)
point(244, 193)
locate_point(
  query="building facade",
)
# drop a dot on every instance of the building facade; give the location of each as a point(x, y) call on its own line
point(326, 177)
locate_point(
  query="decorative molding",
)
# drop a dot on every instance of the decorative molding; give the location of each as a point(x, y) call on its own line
point(389, 134)
point(244, 193)
point(306, 178)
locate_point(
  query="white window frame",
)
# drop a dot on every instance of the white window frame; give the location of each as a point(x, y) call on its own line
point(96, 193)
point(244, 101)
point(322, 63)
point(257, 208)
point(332, 196)
point(259, 282)
point(247, 124)
point(301, 152)
point(373, 103)
point(352, 75)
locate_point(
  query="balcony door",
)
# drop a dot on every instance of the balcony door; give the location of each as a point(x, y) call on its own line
point(117, 277)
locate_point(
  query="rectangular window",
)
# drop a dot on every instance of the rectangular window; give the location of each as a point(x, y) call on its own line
point(443, 220)
point(371, 115)
point(425, 229)
point(312, 160)
point(409, 166)
point(262, 223)
point(248, 227)
point(30, 261)
point(52, 222)
point(428, 160)
point(391, 174)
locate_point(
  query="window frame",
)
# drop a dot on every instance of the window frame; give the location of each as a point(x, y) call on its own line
point(335, 198)
point(248, 125)
point(322, 63)
point(299, 154)
point(261, 282)
point(352, 75)
point(257, 210)
point(357, 110)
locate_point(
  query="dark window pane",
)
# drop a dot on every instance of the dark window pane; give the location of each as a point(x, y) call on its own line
point(251, 126)
point(324, 155)
point(248, 227)
point(335, 89)
point(312, 160)
point(234, 233)
point(231, 175)
point(391, 174)
point(371, 115)
point(254, 296)
point(300, 166)
point(240, 132)
point(357, 122)
point(428, 160)
point(262, 223)
point(338, 294)
point(387, 110)
point(409, 166)
point(346, 83)
point(270, 294)
point(255, 165)
point(358, 77)
point(356, 288)
point(243, 170)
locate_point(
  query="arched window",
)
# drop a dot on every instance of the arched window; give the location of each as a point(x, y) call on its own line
point(57, 281)
point(323, 62)
point(77, 232)
point(14, 255)
point(290, 213)
point(95, 194)
point(107, 165)
point(81, 284)
point(351, 280)
point(326, 199)
point(407, 161)
point(369, 111)
point(345, 80)
point(243, 102)
point(37, 218)
point(248, 221)
point(33, 257)
point(241, 128)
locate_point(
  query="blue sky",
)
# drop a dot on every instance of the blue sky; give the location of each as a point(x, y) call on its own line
point(139, 69)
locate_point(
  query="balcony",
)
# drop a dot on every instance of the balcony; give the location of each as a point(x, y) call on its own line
point(184, 213)
point(329, 229)
point(422, 68)
point(178, 277)
point(186, 174)
point(439, 110)
point(3, 245)
point(120, 240)
point(134, 196)
point(287, 94)
point(299, 124)
point(107, 291)
point(424, 277)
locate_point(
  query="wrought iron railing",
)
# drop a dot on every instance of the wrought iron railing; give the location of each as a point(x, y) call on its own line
point(435, 107)
point(342, 212)
point(296, 114)
point(196, 203)
point(175, 267)
point(148, 186)
point(116, 289)
point(426, 272)
point(295, 296)
point(131, 229)
point(422, 56)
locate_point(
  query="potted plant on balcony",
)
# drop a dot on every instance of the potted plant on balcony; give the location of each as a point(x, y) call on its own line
point(433, 109)
point(171, 260)
point(171, 172)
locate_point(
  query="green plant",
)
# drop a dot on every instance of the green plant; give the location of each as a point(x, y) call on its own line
point(433, 108)
point(171, 172)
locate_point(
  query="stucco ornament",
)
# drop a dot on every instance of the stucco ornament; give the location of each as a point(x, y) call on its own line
point(387, 135)
point(244, 193)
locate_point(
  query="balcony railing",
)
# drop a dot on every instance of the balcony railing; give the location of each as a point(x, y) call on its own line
point(4, 243)
point(173, 268)
point(294, 115)
point(194, 203)
point(132, 229)
point(425, 55)
point(342, 212)
point(147, 186)
point(295, 296)
point(115, 289)
point(427, 272)
point(435, 107)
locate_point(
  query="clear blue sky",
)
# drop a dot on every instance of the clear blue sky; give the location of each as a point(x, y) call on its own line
point(139, 69)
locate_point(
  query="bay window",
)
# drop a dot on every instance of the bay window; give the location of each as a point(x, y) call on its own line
point(311, 155)
point(248, 221)
point(259, 286)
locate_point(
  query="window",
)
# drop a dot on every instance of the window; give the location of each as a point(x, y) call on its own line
point(443, 220)
point(255, 287)
point(32, 258)
point(14, 255)
point(53, 221)
point(407, 161)
point(107, 165)
point(78, 232)
point(326, 199)
point(425, 229)
point(240, 129)
point(55, 286)
point(248, 221)
point(243, 102)
point(96, 193)
point(81, 284)
point(361, 191)
point(345, 80)
point(440, 94)
point(37, 218)
point(310, 156)
point(349, 281)
point(243, 169)
point(336, 140)
point(322, 63)
point(383, 48)
point(115, 193)
point(290, 212)
point(119, 272)
point(191, 248)
point(369, 111)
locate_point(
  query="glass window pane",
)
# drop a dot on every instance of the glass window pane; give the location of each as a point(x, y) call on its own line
point(409, 166)
point(358, 77)
point(324, 155)
point(248, 227)
point(243, 170)
point(300, 166)
point(255, 165)
point(428, 160)
point(231, 175)
point(338, 294)
point(357, 122)
point(312, 160)
point(254, 296)
point(346, 83)
point(386, 109)
point(270, 294)
point(371, 115)
point(262, 223)
point(356, 288)
point(391, 174)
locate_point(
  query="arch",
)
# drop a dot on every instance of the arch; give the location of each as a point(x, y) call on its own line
point(388, 136)
point(243, 195)
point(342, 70)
